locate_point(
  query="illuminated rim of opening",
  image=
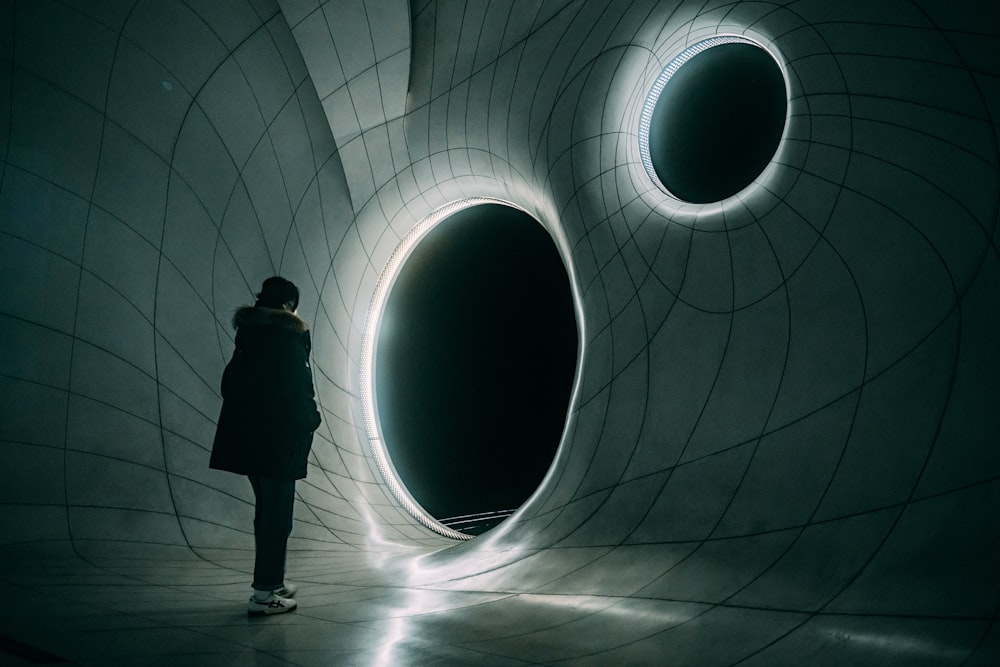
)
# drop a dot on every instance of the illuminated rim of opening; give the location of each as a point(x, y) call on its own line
point(661, 82)
point(374, 317)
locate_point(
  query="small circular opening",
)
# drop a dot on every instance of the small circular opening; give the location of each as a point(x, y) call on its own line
point(475, 358)
point(713, 120)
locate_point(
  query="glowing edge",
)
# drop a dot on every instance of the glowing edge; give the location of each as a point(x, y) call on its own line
point(368, 409)
point(661, 82)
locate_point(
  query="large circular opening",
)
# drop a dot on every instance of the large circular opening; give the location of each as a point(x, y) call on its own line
point(713, 119)
point(474, 360)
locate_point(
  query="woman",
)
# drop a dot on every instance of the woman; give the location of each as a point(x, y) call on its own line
point(266, 426)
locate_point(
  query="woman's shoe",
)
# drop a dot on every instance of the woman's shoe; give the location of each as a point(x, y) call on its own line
point(286, 590)
point(271, 604)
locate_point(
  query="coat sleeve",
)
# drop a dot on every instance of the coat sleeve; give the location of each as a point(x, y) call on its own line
point(297, 385)
point(230, 376)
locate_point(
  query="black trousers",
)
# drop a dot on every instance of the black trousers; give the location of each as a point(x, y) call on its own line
point(272, 524)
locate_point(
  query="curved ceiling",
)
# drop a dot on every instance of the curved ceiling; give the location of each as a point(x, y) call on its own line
point(784, 425)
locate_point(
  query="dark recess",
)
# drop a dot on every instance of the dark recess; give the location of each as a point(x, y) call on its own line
point(718, 122)
point(26, 653)
point(475, 362)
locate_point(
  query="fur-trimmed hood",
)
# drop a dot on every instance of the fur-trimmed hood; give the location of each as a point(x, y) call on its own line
point(259, 316)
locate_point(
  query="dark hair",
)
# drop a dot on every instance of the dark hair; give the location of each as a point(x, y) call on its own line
point(276, 292)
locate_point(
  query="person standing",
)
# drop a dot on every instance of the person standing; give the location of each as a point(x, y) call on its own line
point(266, 426)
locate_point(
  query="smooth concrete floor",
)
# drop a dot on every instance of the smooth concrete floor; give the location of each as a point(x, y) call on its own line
point(153, 605)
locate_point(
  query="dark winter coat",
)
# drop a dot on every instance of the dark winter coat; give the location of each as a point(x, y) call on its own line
point(268, 407)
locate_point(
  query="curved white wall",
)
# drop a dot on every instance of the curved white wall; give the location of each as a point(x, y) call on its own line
point(786, 405)
point(158, 165)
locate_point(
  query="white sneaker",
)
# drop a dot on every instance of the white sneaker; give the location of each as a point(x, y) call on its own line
point(287, 590)
point(272, 604)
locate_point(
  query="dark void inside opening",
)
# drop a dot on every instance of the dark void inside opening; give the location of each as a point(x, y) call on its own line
point(474, 365)
point(718, 122)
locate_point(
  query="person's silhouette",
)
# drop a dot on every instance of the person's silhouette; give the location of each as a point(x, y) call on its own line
point(266, 427)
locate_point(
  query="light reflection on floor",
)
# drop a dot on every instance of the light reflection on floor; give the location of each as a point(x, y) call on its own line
point(158, 605)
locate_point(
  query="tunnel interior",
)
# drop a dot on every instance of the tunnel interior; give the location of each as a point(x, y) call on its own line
point(478, 326)
point(780, 446)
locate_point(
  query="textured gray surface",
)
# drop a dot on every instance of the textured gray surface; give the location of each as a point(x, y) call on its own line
point(782, 448)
